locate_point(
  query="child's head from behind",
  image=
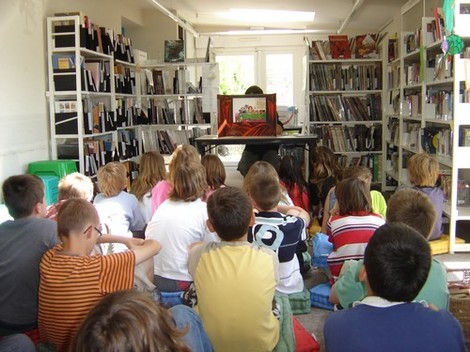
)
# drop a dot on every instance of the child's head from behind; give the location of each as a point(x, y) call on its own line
point(413, 208)
point(230, 212)
point(265, 191)
point(397, 260)
point(290, 171)
point(183, 154)
point(112, 178)
point(75, 185)
point(76, 215)
point(353, 196)
point(361, 172)
point(189, 182)
point(423, 170)
point(259, 167)
point(128, 321)
point(215, 170)
point(324, 163)
point(151, 171)
point(23, 194)
point(152, 167)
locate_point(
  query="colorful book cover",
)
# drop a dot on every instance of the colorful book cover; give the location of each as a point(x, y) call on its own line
point(339, 47)
point(366, 46)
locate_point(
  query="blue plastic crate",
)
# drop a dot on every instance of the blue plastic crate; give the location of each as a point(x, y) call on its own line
point(319, 296)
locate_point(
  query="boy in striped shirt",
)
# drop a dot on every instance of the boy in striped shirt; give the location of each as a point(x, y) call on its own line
point(72, 281)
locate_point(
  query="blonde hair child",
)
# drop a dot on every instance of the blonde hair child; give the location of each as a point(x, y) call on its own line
point(423, 171)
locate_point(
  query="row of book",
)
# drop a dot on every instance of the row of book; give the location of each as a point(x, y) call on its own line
point(168, 82)
point(95, 74)
point(345, 78)
point(166, 141)
point(341, 47)
point(412, 105)
point(358, 138)
point(93, 37)
point(412, 41)
point(124, 79)
point(393, 74)
point(436, 140)
point(345, 108)
point(441, 104)
point(412, 74)
point(372, 161)
point(165, 111)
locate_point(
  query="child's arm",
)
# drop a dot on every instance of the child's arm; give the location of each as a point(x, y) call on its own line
point(294, 211)
point(143, 249)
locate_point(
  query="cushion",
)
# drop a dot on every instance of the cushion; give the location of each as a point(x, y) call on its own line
point(300, 302)
point(304, 341)
point(319, 296)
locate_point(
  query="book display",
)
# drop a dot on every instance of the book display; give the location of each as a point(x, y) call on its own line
point(426, 105)
point(345, 106)
point(103, 107)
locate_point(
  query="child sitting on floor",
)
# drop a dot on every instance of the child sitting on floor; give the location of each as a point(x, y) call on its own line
point(396, 265)
point(151, 172)
point(177, 223)
point(74, 185)
point(423, 171)
point(215, 173)
point(378, 203)
point(414, 209)
point(235, 280)
point(134, 322)
point(290, 175)
point(73, 281)
point(280, 228)
point(350, 230)
point(119, 211)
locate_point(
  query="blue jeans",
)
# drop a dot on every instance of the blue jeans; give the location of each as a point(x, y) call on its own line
point(16, 343)
point(196, 338)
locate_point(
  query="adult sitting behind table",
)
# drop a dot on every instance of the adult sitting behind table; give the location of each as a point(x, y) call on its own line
point(255, 152)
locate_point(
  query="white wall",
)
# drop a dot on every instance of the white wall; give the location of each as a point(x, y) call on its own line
point(23, 114)
point(24, 118)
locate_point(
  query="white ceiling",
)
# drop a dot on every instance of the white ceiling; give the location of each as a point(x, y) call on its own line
point(369, 16)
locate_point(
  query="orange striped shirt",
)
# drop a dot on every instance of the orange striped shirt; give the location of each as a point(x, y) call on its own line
point(70, 286)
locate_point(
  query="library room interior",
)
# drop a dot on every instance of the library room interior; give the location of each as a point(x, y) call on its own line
point(126, 103)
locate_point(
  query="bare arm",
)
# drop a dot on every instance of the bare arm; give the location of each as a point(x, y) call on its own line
point(145, 250)
point(294, 211)
point(333, 297)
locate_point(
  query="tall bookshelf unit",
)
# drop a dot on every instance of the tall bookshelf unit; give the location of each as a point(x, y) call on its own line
point(425, 109)
point(104, 107)
point(345, 109)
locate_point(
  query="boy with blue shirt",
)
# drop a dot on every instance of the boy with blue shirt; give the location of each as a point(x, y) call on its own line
point(396, 265)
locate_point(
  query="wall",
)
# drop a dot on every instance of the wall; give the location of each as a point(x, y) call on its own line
point(24, 118)
point(23, 114)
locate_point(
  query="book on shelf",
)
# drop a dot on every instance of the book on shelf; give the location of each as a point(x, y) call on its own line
point(464, 136)
point(174, 51)
point(339, 46)
point(365, 46)
point(319, 50)
point(392, 49)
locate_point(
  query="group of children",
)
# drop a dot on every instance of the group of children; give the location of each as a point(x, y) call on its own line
point(238, 248)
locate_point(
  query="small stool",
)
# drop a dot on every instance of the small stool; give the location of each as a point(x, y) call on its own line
point(441, 245)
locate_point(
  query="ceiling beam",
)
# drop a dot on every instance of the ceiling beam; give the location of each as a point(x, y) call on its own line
point(346, 21)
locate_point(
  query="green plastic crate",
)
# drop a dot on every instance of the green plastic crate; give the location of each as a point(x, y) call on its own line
point(58, 168)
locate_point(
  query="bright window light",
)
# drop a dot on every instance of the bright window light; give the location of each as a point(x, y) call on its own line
point(260, 16)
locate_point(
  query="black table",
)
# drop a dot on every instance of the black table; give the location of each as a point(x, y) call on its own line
point(206, 143)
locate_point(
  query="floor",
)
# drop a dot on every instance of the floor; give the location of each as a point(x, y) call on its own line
point(314, 321)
